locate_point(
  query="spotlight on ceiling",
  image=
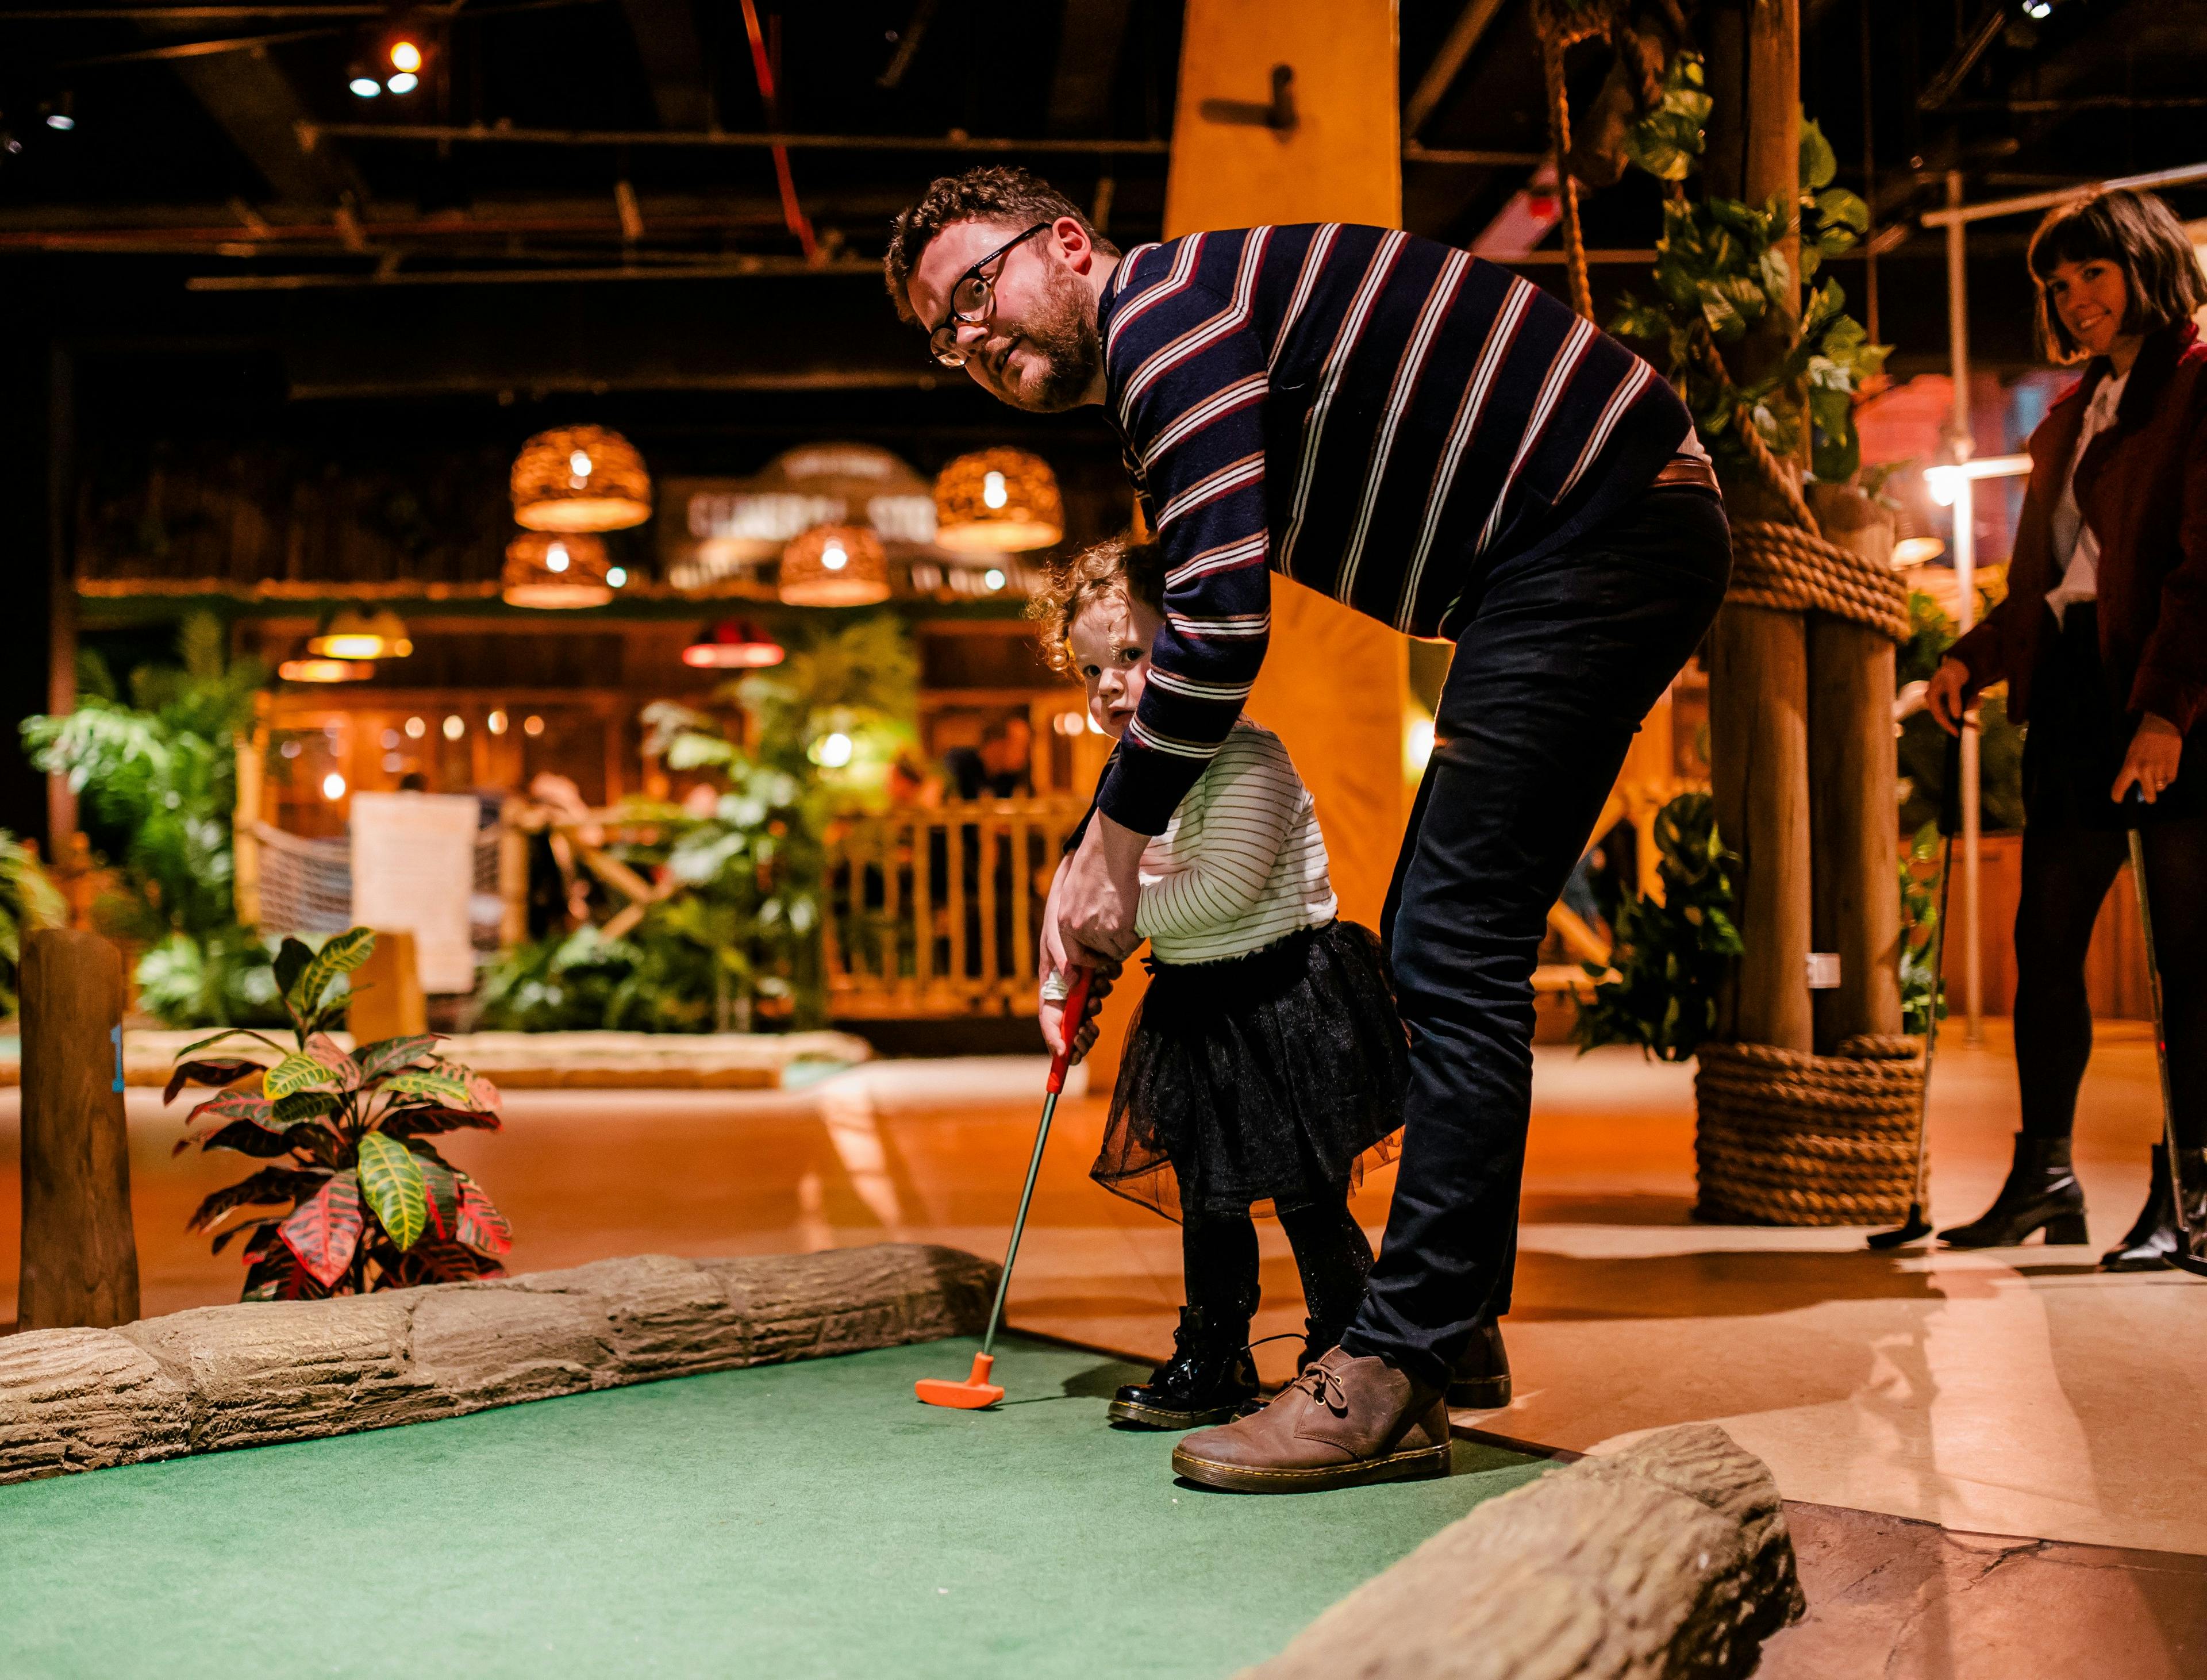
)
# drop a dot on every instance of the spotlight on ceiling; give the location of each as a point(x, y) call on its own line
point(61, 114)
point(405, 56)
point(404, 82)
point(364, 86)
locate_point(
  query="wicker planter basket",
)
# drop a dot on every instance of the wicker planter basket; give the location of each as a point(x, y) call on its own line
point(1788, 1139)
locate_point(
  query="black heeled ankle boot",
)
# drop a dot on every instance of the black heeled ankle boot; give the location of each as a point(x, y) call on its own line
point(2041, 1192)
point(1481, 1381)
point(2156, 1236)
point(1208, 1378)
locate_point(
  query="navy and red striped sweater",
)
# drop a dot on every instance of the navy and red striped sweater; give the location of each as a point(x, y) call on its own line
point(1373, 415)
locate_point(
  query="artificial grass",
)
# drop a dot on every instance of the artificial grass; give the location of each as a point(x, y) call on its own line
point(796, 1519)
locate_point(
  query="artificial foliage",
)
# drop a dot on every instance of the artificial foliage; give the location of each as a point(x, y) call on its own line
point(1923, 989)
point(29, 901)
point(1721, 271)
point(1669, 959)
point(157, 776)
point(368, 1201)
point(1922, 744)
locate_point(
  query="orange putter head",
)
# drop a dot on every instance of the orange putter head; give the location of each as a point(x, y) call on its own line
point(970, 1395)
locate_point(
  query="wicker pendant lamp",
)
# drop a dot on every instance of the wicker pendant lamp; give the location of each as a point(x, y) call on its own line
point(351, 634)
point(1914, 541)
point(580, 478)
point(734, 644)
point(552, 571)
point(836, 565)
point(1001, 500)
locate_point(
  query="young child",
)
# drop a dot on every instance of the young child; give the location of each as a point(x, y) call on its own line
point(1267, 1058)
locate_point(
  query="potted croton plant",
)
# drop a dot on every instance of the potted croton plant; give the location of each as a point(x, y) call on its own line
point(372, 1204)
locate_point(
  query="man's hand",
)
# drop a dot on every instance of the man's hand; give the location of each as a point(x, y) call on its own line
point(1097, 894)
point(2150, 765)
point(1944, 696)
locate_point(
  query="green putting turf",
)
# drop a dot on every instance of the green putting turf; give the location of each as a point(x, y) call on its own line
point(794, 1520)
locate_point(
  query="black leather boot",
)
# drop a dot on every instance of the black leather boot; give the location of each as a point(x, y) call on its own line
point(1481, 1381)
point(2155, 1237)
point(1208, 1378)
point(2042, 1193)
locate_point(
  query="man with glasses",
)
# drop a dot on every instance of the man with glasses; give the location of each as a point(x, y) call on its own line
point(1438, 444)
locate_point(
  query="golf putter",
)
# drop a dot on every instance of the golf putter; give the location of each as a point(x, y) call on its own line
point(2189, 1242)
point(977, 1391)
point(1915, 1227)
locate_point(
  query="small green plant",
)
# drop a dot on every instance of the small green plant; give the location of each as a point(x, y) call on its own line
point(29, 901)
point(372, 1204)
point(1669, 957)
point(1922, 988)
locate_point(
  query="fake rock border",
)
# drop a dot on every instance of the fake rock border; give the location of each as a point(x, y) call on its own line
point(1667, 1558)
point(261, 1372)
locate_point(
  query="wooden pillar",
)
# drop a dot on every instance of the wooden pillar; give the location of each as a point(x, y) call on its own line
point(1853, 800)
point(1759, 659)
point(80, 1253)
point(387, 1001)
point(1334, 683)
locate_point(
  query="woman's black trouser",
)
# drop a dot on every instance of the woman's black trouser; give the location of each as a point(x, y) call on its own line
point(1557, 659)
point(2074, 845)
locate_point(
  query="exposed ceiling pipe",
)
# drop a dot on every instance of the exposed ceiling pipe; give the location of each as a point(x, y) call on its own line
point(791, 211)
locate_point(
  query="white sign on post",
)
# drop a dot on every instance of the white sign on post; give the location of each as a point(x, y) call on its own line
point(413, 871)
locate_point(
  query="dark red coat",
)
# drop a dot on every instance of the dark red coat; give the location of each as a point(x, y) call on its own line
point(2142, 487)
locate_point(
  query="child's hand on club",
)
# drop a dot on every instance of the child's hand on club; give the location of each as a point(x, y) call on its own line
point(1052, 1017)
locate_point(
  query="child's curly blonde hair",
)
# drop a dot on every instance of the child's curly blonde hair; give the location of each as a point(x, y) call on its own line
point(1116, 568)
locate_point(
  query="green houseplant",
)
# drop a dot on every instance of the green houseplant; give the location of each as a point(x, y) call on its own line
point(29, 901)
point(372, 1205)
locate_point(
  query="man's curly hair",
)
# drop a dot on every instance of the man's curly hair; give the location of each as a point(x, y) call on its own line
point(1013, 198)
point(1116, 568)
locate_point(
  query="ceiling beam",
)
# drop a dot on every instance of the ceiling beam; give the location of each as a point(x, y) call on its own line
point(1088, 48)
point(254, 103)
point(665, 32)
point(1440, 75)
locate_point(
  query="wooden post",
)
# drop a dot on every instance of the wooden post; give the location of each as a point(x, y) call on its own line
point(1758, 658)
point(387, 1002)
point(80, 1253)
point(1853, 798)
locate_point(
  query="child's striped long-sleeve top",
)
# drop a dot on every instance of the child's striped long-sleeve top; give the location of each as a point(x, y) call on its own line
point(1241, 862)
point(1373, 415)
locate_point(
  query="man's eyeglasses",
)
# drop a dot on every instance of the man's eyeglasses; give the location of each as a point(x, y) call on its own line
point(970, 301)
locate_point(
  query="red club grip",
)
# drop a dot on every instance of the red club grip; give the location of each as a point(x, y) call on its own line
point(1076, 1005)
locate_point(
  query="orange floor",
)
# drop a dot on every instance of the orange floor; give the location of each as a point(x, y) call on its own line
point(2018, 1393)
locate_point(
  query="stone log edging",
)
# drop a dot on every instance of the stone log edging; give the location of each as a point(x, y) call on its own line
point(1669, 1558)
point(255, 1372)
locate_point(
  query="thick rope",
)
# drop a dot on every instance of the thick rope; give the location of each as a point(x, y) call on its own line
point(1790, 1138)
point(1554, 39)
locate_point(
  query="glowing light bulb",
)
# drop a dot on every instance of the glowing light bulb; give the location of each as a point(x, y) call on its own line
point(496, 723)
point(1944, 483)
point(60, 119)
point(833, 557)
point(555, 557)
point(993, 578)
point(334, 786)
point(1418, 745)
point(834, 750)
point(404, 82)
point(415, 728)
point(455, 727)
point(616, 575)
point(405, 56)
point(992, 490)
point(532, 724)
point(579, 464)
point(365, 87)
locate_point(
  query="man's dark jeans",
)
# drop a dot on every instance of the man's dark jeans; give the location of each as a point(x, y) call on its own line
point(1557, 662)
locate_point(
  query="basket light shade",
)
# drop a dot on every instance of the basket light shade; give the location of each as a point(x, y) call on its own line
point(543, 570)
point(1914, 542)
point(836, 565)
point(325, 670)
point(580, 478)
point(998, 501)
point(351, 634)
point(734, 644)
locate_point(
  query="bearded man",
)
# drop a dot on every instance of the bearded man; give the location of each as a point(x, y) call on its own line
point(1435, 442)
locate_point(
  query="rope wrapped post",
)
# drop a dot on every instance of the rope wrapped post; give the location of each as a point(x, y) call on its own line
point(1790, 1138)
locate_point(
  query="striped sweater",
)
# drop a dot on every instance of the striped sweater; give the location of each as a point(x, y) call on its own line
point(1241, 862)
point(1371, 414)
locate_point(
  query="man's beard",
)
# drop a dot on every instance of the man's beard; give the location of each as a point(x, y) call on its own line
point(1065, 336)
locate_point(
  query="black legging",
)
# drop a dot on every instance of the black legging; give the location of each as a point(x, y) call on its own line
point(1332, 1253)
point(2066, 872)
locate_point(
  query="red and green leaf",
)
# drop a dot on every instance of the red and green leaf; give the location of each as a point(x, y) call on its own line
point(443, 1263)
point(205, 1073)
point(295, 1073)
point(198, 1044)
point(341, 953)
point(236, 1105)
point(426, 1121)
point(304, 1105)
point(389, 1055)
point(390, 1179)
point(321, 1048)
point(482, 1226)
point(279, 1276)
point(442, 1187)
point(485, 1094)
point(246, 1138)
point(267, 1187)
point(323, 1232)
point(435, 1084)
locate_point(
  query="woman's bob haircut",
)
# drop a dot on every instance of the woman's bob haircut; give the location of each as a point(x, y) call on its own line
point(2138, 233)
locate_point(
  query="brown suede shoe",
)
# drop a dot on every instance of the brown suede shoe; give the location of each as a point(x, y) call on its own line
point(1345, 1421)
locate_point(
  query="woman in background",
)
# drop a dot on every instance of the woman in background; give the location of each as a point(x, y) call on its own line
point(2103, 643)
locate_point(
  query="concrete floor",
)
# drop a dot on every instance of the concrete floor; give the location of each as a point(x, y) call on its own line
point(2019, 1393)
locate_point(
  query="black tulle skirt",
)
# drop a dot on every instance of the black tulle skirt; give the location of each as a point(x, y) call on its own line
point(1259, 1082)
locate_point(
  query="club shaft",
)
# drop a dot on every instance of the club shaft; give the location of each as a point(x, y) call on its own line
point(1019, 1223)
point(2160, 1035)
point(1931, 1022)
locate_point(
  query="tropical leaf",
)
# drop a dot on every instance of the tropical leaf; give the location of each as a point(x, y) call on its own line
point(257, 1237)
point(269, 1186)
point(426, 1121)
point(205, 1073)
point(388, 1055)
point(230, 1033)
point(246, 1138)
point(482, 1226)
point(443, 1263)
point(485, 1094)
point(297, 1073)
point(437, 1084)
point(323, 1232)
point(279, 1276)
point(390, 1179)
point(1819, 163)
point(235, 1105)
point(291, 962)
point(321, 1048)
point(304, 1105)
point(340, 954)
point(442, 1187)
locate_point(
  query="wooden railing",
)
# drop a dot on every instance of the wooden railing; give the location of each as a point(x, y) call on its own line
point(936, 911)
